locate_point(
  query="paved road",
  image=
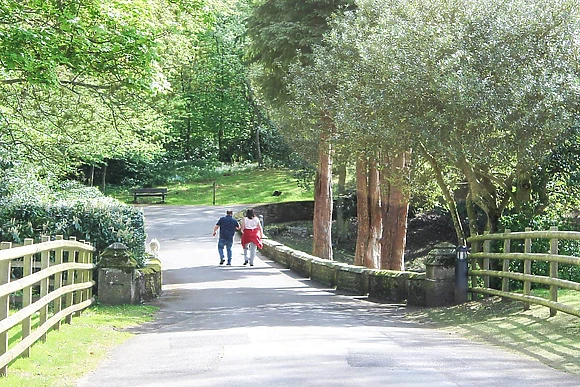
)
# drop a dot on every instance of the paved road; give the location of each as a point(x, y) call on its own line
point(265, 326)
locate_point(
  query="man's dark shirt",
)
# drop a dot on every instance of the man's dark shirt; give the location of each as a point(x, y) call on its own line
point(228, 226)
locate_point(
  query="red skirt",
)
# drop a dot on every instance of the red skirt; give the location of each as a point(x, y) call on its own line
point(251, 235)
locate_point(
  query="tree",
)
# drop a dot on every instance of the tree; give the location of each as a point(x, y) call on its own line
point(484, 88)
point(70, 71)
point(283, 33)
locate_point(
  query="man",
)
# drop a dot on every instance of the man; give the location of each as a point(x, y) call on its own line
point(227, 226)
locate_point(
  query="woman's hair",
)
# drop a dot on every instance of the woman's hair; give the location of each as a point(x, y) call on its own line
point(250, 213)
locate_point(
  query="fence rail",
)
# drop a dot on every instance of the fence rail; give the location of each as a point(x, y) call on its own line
point(481, 272)
point(61, 271)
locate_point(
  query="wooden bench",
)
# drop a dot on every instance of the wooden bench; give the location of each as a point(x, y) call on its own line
point(138, 192)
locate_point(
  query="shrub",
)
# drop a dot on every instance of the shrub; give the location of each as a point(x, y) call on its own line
point(31, 207)
point(100, 221)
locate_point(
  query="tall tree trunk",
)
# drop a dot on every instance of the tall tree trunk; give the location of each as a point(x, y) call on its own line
point(322, 223)
point(367, 251)
point(342, 220)
point(362, 211)
point(92, 175)
point(258, 145)
point(471, 216)
point(256, 119)
point(104, 179)
point(373, 254)
point(395, 214)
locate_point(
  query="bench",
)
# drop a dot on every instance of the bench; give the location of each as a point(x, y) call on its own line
point(138, 192)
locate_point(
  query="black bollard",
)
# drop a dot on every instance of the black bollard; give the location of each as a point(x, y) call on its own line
point(461, 285)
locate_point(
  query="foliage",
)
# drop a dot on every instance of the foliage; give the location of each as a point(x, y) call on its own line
point(101, 221)
point(73, 78)
point(68, 209)
point(283, 32)
point(485, 88)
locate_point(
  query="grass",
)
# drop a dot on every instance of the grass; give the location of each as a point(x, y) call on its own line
point(76, 348)
point(533, 333)
point(240, 187)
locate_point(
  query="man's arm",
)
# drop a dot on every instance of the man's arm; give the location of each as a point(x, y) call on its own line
point(215, 228)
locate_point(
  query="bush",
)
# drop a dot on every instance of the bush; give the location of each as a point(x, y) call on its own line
point(31, 207)
point(100, 221)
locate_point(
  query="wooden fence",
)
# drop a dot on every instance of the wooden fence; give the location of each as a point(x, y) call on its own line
point(481, 273)
point(60, 272)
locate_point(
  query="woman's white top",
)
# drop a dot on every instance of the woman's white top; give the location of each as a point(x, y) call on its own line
point(251, 224)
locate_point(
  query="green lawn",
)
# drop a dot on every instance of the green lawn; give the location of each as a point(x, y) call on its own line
point(76, 348)
point(240, 187)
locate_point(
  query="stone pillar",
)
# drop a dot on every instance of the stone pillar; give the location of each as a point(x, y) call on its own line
point(440, 276)
point(117, 276)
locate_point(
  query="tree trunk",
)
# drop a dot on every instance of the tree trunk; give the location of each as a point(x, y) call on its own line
point(104, 179)
point(322, 223)
point(449, 199)
point(373, 254)
point(256, 119)
point(471, 216)
point(342, 220)
point(395, 215)
point(367, 251)
point(92, 175)
point(362, 211)
point(258, 146)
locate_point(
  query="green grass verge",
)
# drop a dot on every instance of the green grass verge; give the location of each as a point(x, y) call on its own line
point(76, 348)
point(239, 187)
point(533, 333)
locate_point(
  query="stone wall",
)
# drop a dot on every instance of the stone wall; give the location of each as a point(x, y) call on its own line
point(380, 285)
point(149, 281)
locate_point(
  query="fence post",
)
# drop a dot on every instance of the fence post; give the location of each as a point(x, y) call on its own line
point(486, 250)
point(27, 294)
point(475, 264)
point(44, 263)
point(527, 268)
point(80, 294)
point(88, 273)
point(4, 303)
point(505, 282)
point(70, 279)
point(553, 271)
point(58, 253)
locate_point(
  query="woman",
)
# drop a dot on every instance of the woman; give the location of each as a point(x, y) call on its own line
point(252, 235)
